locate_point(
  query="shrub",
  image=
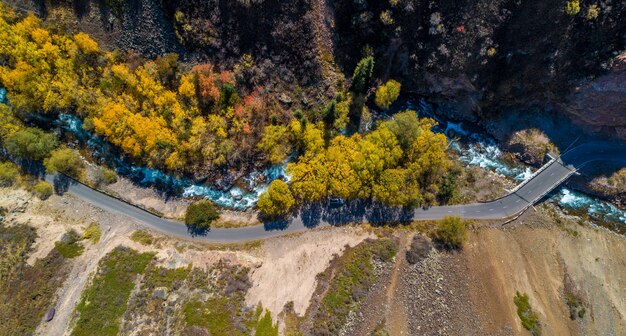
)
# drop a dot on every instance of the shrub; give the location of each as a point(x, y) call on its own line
point(105, 176)
point(387, 93)
point(43, 190)
point(618, 179)
point(69, 246)
point(201, 214)
point(575, 305)
point(30, 143)
point(386, 18)
point(8, 174)
point(572, 7)
point(142, 237)
point(451, 231)
point(530, 319)
point(93, 233)
point(277, 201)
point(593, 12)
point(65, 161)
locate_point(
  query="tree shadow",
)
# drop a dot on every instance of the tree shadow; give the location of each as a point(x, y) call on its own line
point(311, 214)
point(276, 224)
point(351, 212)
point(62, 184)
point(195, 231)
point(379, 214)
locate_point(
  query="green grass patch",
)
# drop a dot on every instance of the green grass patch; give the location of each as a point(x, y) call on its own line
point(530, 319)
point(163, 277)
point(93, 233)
point(142, 237)
point(26, 292)
point(355, 275)
point(104, 302)
point(265, 326)
point(69, 246)
point(219, 316)
point(215, 315)
point(223, 311)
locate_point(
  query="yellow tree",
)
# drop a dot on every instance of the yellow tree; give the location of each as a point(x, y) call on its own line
point(343, 179)
point(275, 143)
point(86, 44)
point(309, 177)
point(277, 201)
point(387, 93)
point(396, 187)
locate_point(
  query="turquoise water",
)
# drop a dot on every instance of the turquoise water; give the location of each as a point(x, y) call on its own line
point(478, 150)
point(474, 148)
point(236, 198)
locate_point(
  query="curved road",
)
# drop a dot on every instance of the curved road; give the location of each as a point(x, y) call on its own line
point(528, 193)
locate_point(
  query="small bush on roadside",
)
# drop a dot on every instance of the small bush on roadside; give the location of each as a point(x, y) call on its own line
point(105, 176)
point(93, 233)
point(142, 237)
point(451, 232)
point(43, 190)
point(66, 161)
point(201, 214)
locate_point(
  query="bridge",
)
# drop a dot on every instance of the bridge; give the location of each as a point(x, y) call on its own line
point(528, 193)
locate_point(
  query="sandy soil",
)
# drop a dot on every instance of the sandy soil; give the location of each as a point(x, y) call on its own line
point(284, 268)
point(149, 198)
point(290, 265)
point(175, 207)
point(535, 260)
point(396, 314)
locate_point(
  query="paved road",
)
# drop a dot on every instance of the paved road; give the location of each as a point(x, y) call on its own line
point(530, 192)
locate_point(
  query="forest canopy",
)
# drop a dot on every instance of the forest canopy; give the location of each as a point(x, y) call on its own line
point(196, 119)
point(159, 114)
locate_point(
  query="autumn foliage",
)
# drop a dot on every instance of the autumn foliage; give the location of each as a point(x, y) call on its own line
point(191, 121)
point(402, 162)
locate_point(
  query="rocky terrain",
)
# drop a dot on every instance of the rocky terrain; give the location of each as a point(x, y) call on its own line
point(479, 58)
point(563, 263)
point(598, 104)
point(489, 62)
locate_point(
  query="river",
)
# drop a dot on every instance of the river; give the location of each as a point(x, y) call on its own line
point(469, 141)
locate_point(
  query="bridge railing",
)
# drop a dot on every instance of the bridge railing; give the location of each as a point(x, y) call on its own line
point(555, 185)
point(539, 171)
